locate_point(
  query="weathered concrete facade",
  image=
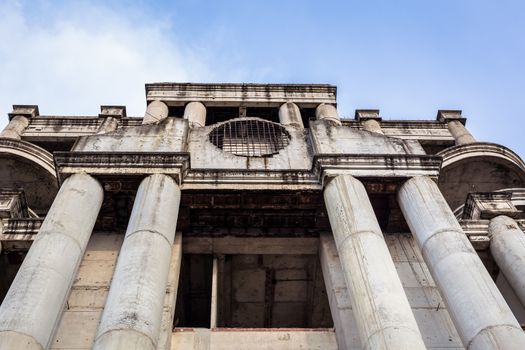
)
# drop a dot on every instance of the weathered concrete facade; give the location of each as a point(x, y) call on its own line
point(251, 216)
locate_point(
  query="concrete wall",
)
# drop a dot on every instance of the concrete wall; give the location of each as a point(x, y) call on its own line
point(81, 316)
point(427, 305)
point(167, 136)
point(297, 155)
point(328, 139)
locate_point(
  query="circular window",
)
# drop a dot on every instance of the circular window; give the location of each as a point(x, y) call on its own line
point(250, 137)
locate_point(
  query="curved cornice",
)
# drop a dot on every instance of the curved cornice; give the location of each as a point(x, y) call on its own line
point(28, 151)
point(458, 153)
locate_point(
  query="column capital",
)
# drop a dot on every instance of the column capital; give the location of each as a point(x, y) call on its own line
point(367, 114)
point(448, 115)
point(117, 112)
point(28, 111)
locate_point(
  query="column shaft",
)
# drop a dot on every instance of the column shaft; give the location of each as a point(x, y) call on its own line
point(381, 308)
point(15, 128)
point(33, 305)
point(195, 113)
point(460, 133)
point(290, 114)
point(327, 112)
point(372, 125)
point(507, 246)
point(133, 311)
point(477, 308)
point(156, 112)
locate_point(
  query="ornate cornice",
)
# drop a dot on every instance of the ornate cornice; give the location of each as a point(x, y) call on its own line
point(235, 94)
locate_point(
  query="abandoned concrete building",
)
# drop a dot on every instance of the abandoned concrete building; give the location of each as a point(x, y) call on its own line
point(252, 216)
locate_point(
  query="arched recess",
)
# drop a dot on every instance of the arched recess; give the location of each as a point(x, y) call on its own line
point(478, 167)
point(31, 168)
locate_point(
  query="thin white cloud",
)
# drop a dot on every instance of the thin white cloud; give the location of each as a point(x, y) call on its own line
point(73, 62)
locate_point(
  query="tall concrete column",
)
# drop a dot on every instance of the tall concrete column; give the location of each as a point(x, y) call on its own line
point(383, 314)
point(156, 112)
point(15, 128)
point(133, 312)
point(478, 310)
point(507, 245)
point(327, 112)
point(33, 305)
point(195, 113)
point(290, 114)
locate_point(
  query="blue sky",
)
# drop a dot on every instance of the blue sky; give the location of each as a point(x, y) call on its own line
point(406, 58)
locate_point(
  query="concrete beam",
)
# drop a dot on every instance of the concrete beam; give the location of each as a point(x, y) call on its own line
point(33, 305)
point(133, 312)
point(477, 308)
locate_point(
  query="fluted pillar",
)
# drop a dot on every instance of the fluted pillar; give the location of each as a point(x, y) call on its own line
point(133, 312)
point(507, 245)
point(478, 310)
point(33, 305)
point(383, 314)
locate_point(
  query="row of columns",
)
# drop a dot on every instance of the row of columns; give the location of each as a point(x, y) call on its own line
point(383, 315)
point(32, 308)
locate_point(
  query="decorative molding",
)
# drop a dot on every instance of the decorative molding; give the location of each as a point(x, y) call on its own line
point(28, 151)
point(178, 165)
point(246, 94)
point(121, 163)
point(455, 154)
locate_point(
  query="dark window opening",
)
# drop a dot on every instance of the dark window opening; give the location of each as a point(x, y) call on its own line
point(10, 262)
point(253, 291)
point(194, 292)
point(176, 111)
point(307, 114)
point(271, 114)
point(220, 114)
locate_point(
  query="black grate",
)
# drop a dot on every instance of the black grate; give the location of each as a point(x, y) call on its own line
point(250, 137)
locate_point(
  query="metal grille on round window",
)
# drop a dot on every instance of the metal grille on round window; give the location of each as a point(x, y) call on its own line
point(250, 137)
